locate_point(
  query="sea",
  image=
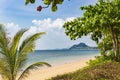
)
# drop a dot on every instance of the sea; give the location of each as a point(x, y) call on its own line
point(58, 57)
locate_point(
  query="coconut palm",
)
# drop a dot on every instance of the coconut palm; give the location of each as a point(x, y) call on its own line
point(13, 56)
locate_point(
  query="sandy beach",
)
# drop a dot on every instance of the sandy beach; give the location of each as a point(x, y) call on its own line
point(47, 73)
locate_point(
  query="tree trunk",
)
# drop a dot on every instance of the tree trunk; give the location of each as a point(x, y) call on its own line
point(117, 48)
point(115, 44)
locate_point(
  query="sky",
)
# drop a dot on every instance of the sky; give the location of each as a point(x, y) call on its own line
point(15, 15)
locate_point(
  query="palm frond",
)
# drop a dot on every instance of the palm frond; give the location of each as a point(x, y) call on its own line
point(27, 42)
point(13, 50)
point(4, 53)
point(4, 69)
point(26, 47)
point(32, 67)
point(13, 58)
point(16, 40)
point(3, 40)
point(21, 61)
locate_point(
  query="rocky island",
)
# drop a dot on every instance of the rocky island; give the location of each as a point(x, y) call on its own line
point(82, 46)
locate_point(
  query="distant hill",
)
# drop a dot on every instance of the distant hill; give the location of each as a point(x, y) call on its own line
point(81, 46)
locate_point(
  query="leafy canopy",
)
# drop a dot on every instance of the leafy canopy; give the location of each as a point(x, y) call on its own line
point(102, 22)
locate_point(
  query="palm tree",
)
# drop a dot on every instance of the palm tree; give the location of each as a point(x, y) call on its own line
point(13, 56)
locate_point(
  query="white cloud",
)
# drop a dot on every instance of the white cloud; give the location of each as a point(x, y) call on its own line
point(70, 19)
point(12, 28)
point(55, 35)
point(49, 24)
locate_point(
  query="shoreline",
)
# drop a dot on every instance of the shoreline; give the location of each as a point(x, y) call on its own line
point(48, 72)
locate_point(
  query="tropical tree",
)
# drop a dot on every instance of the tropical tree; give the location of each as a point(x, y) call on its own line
point(102, 22)
point(13, 56)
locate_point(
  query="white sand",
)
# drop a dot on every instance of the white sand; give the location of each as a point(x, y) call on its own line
point(47, 73)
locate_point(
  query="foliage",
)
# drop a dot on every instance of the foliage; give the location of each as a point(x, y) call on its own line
point(105, 46)
point(99, 60)
point(104, 71)
point(13, 56)
point(101, 21)
point(54, 3)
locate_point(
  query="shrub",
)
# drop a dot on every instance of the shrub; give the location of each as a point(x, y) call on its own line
point(99, 60)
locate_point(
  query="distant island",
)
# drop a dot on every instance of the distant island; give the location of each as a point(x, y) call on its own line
point(82, 46)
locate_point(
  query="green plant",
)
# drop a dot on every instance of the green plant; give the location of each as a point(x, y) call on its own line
point(103, 71)
point(99, 60)
point(13, 56)
point(98, 22)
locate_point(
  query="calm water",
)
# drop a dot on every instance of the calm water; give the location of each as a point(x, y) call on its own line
point(56, 57)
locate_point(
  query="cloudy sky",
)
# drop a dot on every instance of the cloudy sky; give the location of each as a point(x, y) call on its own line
point(15, 15)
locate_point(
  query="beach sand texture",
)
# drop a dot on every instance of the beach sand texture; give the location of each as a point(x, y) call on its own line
point(47, 73)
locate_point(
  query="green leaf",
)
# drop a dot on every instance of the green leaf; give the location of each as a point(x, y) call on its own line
point(27, 2)
point(32, 1)
point(54, 8)
point(47, 2)
point(59, 1)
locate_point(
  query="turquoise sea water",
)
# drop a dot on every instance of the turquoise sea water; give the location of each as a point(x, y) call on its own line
point(57, 57)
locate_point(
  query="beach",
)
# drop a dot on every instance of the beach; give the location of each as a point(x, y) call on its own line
point(46, 73)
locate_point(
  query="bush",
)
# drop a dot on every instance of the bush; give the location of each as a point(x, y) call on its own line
point(99, 60)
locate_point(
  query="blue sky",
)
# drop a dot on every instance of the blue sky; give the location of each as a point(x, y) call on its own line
point(15, 15)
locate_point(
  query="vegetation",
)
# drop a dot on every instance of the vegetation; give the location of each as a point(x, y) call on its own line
point(102, 22)
point(105, 71)
point(13, 56)
point(53, 3)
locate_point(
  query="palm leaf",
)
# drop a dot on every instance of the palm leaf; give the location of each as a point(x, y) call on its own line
point(26, 47)
point(4, 45)
point(14, 48)
point(32, 67)
point(16, 40)
point(13, 58)
point(4, 53)
point(20, 63)
point(27, 42)
point(4, 69)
